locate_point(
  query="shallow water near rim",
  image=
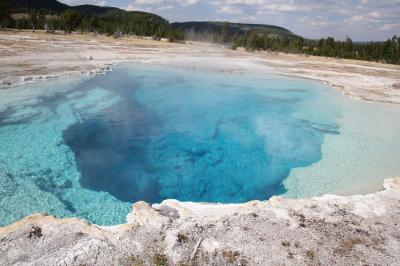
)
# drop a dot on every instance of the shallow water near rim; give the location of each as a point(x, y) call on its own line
point(90, 147)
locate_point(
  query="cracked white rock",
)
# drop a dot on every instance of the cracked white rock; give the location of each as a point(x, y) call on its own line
point(327, 230)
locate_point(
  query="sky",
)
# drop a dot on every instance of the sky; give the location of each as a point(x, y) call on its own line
point(362, 20)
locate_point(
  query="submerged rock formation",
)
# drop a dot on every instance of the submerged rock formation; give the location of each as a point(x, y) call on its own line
point(328, 230)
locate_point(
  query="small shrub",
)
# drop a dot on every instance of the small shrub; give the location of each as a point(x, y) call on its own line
point(182, 238)
point(230, 256)
point(310, 254)
point(132, 261)
point(160, 259)
point(348, 245)
point(35, 232)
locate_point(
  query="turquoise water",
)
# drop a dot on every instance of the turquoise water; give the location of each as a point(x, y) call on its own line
point(90, 147)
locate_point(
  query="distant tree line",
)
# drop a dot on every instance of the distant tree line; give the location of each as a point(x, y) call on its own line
point(134, 23)
point(386, 52)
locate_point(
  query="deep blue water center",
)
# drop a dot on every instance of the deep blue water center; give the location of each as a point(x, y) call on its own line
point(177, 136)
point(93, 147)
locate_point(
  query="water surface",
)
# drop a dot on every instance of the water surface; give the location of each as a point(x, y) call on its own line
point(90, 147)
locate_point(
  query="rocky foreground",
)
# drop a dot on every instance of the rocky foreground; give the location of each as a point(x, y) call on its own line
point(329, 230)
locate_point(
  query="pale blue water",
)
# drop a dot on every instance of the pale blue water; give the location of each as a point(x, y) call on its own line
point(90, 147)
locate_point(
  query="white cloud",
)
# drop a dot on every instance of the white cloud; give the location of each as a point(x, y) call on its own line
point(229, 10)
point(169, 2)
point(189, 2)
point(149, 2)
point(158, 5)
point(244, 2)
point(390, 27)
point(282, 8)
point(80, 2)
point(132, 7)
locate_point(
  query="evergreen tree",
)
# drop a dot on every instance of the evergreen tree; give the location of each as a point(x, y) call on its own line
point(33, 18)
point(4, 13)
point(226, 38)
point(70, 20)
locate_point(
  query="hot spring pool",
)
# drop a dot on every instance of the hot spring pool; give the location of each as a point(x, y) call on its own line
point(90, 147)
